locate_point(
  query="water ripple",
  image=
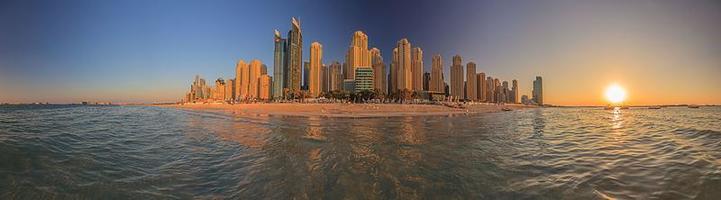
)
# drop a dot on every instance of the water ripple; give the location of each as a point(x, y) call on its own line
point(101, 152)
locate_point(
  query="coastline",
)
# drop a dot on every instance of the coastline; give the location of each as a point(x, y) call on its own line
point(348, 110)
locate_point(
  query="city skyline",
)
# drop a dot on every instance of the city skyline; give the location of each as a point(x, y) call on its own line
point(651, 76)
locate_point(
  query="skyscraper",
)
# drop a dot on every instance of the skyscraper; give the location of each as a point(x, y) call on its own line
point(280, 66)
point(316, 60)
point(426, 81)
point(514, 92)
point(218, 92)
point(490, 90)
point(358, 53)
point(199, 91)
point(379, 70)
point(405, 75)
point(481, 86)
point(393, 77)
point(324, 78)
point(241, 80)
point(264, 87)
point(471, 84)
point(436, 84)
point(417, 68)
point(498, 96)
point(241, 72)
point(505, 92)
point(363, 78)
point(254, 74)
point(230, 90)
point(335, 81)
point(306, 75)
point(295, 55)
point(457, 78)
point(538, 90)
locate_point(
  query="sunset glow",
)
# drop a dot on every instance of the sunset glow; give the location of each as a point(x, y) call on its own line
point(615, 94)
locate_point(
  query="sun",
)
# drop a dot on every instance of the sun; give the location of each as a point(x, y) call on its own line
point(615, 94)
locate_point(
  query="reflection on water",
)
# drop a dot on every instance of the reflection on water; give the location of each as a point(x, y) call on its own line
point(616, 120)
point(553, 153)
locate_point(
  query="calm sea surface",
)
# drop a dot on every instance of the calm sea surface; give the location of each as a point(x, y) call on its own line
point(552, 153)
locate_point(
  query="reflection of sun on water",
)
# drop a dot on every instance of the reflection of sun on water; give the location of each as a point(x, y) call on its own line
point(615, 94)
point(616, 120)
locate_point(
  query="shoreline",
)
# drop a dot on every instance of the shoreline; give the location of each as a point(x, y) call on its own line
point(348, 110)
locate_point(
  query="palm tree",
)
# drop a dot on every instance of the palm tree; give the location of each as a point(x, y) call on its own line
point(405, 94)
point(378, 94)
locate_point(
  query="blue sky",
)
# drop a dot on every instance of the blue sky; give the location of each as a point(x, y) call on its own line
point(148, 51)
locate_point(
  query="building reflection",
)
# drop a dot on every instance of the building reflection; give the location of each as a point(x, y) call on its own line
point(539, 122)
point(247, 131)
point(411, 132)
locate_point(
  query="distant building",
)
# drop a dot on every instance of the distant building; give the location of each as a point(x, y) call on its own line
point(363, 78)
point(229, 90)
point(254, 74)
point(505, 92)
point(199, 91)
point(538, 90)
point(294, 56)
point(514, 92)
point(498, 96)
point(218, 92)
point(241, 80)
point(314, 74)
point(393, 77)
point(471, 85)
point(426, 81)
point(525, 100)
point(446, 89)
point(264, 87)
point(306, 75)
point(324, 78)
point(457, 78)
point(404, 67)
point(417, 68)
point(349, 85)
point(280, 65)
point(481, 86)
point(379, 70)
point(335, 80)
point(437, 82)
point(490, 90)
point(358, 54)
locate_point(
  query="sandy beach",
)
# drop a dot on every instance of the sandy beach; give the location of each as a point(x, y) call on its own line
point(348, 110)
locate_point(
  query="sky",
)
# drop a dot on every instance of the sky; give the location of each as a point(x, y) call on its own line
point(660, 51)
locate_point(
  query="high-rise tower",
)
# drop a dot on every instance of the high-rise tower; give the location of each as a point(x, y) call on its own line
point(405, 75)
point(241, 80)
point(379, 70)
point(393, 78)
point(254, 73)
point(471, 84)
point(358, 54)
point(280, 66)
point(514, 91)
point(295, 55)
point(538, 90)
point(417, 68)
point(481, 86)
point(457, 78)
point(316, 60)
point(436, 84)
point(335, 81)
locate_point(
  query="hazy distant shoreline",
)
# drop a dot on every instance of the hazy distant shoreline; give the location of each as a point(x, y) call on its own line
point(348, 110)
